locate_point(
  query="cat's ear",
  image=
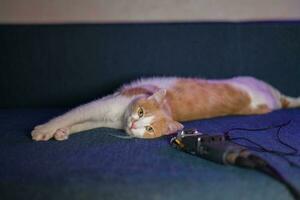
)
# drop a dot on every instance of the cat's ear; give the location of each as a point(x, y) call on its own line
point(174, 126)
point(159, 95)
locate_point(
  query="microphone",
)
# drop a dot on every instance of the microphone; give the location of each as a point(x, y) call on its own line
point(219, 149)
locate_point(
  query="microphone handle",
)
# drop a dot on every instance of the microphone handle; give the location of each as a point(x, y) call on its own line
point(231, 154)
point(219, 152)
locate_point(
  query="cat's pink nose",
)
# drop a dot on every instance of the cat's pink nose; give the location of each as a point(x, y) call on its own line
point(133, 125)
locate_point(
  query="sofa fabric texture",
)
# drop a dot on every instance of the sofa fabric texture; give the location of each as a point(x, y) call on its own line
point(96, 165)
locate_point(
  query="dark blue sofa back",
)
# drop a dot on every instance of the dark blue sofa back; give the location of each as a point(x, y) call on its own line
point(64, 65)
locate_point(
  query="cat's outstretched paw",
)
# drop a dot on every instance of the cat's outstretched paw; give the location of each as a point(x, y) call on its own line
point(42, 133)
point(61, 134)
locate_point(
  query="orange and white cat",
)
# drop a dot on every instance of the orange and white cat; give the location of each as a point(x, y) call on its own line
point(152, 107)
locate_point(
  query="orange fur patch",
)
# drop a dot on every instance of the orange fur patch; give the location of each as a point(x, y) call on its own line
point(160, 126)
point(135, 91)
point(153, 108)
point(148, 106)
point(192, 99)
point(284, 103)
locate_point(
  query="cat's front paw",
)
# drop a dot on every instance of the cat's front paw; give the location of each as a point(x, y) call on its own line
point(62, 134)
point(42, 133)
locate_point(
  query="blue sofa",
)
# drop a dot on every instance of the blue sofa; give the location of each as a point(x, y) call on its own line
point(46, 69)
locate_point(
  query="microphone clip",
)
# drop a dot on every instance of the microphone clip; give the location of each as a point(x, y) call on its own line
point(191, 140)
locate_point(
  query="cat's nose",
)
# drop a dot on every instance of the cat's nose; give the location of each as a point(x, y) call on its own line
point(133, 125)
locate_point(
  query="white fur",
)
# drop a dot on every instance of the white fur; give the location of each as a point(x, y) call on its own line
point(138, 132)
point(104, 112)
point(112, 109)
point(161, 82)
point(260, 92)
point(145, 121)
point(109, 109)
point(135, 116)
point(140, 124)
point(256, 97)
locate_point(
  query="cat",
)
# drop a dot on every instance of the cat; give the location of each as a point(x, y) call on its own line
point(153, 107)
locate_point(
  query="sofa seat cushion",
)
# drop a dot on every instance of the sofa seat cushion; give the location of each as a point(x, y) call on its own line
point(96, 165)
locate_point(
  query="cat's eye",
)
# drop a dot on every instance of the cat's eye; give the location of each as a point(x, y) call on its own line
point(149, 128)
point(140, 112)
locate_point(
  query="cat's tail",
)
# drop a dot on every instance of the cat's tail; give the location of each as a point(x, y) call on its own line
point(289, 102)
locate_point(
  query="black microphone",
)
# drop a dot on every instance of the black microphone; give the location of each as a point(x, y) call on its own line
point(219, 149)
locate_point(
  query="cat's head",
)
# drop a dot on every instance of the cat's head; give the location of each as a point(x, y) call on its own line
point(146, 117)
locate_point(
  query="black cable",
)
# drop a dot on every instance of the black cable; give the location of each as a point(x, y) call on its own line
point(220, 149)
point(259, 148)
point(263, 149)
point(260, 129)
point(284, 143)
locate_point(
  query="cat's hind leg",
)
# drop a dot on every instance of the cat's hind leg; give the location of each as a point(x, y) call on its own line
point(289, 102)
